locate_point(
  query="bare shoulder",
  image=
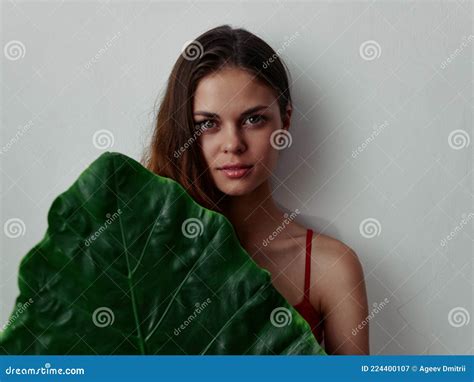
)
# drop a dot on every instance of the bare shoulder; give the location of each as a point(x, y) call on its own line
point(332, 252)
point(337, 268)
point(342, 295)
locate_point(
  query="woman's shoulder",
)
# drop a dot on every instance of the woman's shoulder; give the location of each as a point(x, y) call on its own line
point(336, 265)
point(331, 249)
point(326, 250)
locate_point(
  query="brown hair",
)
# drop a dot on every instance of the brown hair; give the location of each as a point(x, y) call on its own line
point(171, 152)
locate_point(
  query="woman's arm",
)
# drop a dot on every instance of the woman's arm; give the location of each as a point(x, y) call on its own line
point(344, 305)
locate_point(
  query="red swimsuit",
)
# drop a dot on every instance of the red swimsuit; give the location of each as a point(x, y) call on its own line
point(304, 307)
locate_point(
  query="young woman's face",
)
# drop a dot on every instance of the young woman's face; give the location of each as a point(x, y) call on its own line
point(237, 115)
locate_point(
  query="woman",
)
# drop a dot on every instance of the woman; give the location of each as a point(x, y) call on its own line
point(226, 101)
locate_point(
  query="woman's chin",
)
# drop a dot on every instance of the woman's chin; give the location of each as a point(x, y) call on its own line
point(236, 190)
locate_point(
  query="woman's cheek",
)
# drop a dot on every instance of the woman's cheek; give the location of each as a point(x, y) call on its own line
point(267, 156)
point(207, 147)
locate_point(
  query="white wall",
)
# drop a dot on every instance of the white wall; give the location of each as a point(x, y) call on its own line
point(411, 177)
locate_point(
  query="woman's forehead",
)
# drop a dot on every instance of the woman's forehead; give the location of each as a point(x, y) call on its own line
point(231, 91)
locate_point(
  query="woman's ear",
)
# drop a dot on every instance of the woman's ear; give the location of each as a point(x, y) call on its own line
point(286, 120)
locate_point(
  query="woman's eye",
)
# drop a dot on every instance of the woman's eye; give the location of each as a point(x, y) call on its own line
point(205, 125)
point(255, 119)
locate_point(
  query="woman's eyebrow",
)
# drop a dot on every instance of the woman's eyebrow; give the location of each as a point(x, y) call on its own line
point(246, 112)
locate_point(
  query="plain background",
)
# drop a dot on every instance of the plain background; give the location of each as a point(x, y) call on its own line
point(411, 178)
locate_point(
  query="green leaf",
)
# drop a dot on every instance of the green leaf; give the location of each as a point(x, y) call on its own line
point(131, 264)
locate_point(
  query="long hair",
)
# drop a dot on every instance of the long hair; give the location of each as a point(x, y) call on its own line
point(173, 152)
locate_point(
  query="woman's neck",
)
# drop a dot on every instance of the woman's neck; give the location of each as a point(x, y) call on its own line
point(254, 215)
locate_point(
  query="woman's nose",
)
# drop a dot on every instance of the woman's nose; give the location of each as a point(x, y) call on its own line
point(233, 141)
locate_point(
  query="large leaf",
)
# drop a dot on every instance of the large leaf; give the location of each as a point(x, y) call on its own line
point(131, 264)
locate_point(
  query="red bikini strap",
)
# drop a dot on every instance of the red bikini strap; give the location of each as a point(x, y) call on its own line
point(307, 274)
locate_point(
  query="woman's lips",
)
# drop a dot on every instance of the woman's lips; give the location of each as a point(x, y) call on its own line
point(236, 173)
